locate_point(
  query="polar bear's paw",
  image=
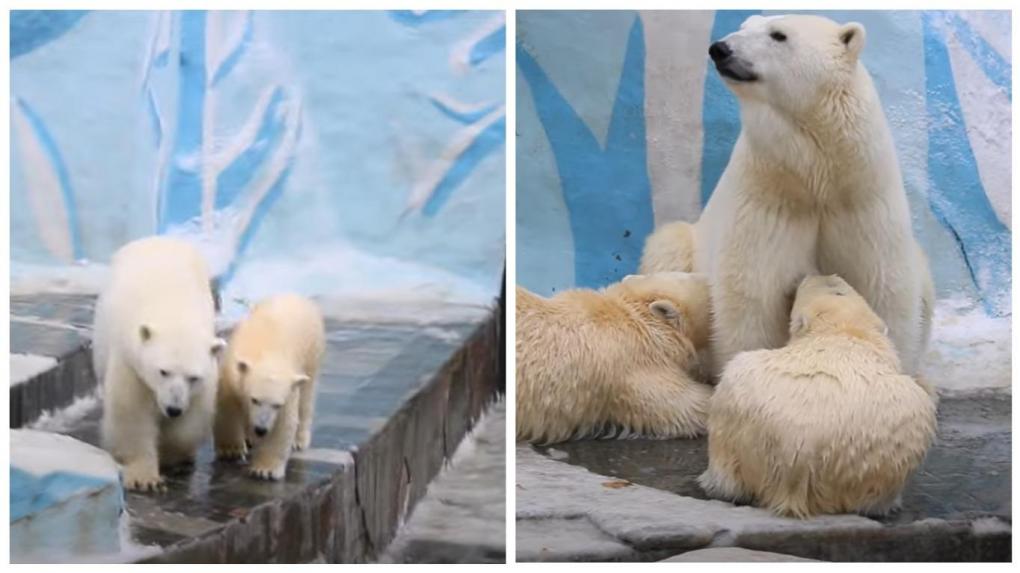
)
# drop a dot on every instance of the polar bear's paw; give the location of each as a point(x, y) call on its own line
point(231, 453)
point(302, 440)
point(269, 473)
point(146, 481)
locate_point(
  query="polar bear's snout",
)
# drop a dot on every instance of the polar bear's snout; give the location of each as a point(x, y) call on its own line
point(172, 397)
point(729, 65)
point(719, 51)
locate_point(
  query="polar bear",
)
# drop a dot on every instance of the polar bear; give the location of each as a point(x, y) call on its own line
point(623, 361)
point(268, 382)
point(154, 350)
point(812, 186)
point(827, 424)
point(670, 248)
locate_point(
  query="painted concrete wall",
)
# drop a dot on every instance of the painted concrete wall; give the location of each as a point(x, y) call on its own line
point(363, 145)
point(623, 124)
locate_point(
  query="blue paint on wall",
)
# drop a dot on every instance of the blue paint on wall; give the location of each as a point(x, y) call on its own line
point(236, 53)
point(33, 28)
point(995, 67)
point(489, 46)
point(489, 140)
point(181, 194)
point(414, 18)
point(52, 151)
point(956, 194)
point(607, 191)
point(232, 181)
point(465, 117)
point(31, 494)
point(720, 112)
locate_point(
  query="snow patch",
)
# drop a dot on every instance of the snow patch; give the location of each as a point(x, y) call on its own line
point(24, 367)
point(969, 349)
point(42, 453)
point(63, 420)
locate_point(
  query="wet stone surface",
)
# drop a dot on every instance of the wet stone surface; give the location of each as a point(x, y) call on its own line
point(379, 383)
point(956, 507)
point(966, 473)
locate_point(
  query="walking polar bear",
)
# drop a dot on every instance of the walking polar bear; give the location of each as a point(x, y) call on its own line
point(267, 384)
point(812, 186)
point(155, 351)
point(826, 424)
point(620, 362)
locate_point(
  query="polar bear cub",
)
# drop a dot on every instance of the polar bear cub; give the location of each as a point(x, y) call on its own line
point(154, 351)
point(267, 384)
point(622, 361)
point(827, 424)
point(812, 186)
point(670, 248)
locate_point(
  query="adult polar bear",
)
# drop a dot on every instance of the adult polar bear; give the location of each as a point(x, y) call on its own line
point(813, 186)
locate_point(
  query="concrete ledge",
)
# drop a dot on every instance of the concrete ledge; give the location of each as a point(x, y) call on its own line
point(394, 402)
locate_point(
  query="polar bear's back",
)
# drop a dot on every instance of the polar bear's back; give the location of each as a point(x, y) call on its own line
point(830, 416)
point(288, 326)
point(159, 277)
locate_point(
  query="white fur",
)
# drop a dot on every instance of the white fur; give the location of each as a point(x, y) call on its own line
point(813, 186)
point(267, 384)
point(154, 350)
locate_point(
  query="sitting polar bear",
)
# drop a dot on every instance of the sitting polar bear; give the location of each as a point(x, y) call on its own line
point(154, 349)
point(618, 362)
point(812, 186)
point(827, 424)
point(267, 384)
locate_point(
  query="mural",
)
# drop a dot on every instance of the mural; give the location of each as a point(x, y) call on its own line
point(622, 123)
point(317, 151)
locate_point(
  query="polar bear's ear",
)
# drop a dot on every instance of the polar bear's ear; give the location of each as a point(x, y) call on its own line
point(852, 36)
point(665, 310)
point(299, 380)
point(144, 332)
point(217, 347)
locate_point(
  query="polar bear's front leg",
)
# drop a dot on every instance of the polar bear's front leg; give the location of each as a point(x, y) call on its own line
point(744, 318)
point(306, 410)
point(229, 433)
point(133, 441)
point(269, 459)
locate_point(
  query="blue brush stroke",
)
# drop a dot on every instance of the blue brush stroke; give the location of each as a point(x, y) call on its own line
point(955, 191)
point(52, 151)
point(31, 494)
point(467, 117)
point(995, 67)
point(153, 113)
point(240, 172)
point(410, 18)
point(488, 46)
point(607, 192)
point(235, 55)
point(181, 194)
point(490, 139)
point(720, 113)
point(33, 28)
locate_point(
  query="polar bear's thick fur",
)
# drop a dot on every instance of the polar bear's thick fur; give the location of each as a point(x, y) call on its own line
point(267, 384)
point(619, 362)
point(827, 424)
point(812, 186)
point(670, 248)
point(154, 351)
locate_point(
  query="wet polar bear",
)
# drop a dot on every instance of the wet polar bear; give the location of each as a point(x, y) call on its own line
point(267, 384)
point(812, 186)
point(827, 424)
point(154, 350)
point(623, 361)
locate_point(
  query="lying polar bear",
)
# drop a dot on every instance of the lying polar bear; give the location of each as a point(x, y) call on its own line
point(619, 361)
point(827, 424)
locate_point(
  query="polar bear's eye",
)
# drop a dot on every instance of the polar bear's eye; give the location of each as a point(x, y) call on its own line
point(192, 379)
point(254, 401)
point(163, 373)
point(277, 406)
point(778, 36)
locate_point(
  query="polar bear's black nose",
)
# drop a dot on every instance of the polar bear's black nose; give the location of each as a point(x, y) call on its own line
point(719, 51)
point(173, 412)
point(260, 431)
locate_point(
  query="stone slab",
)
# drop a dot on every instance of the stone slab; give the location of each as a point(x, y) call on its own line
point(733, 555)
